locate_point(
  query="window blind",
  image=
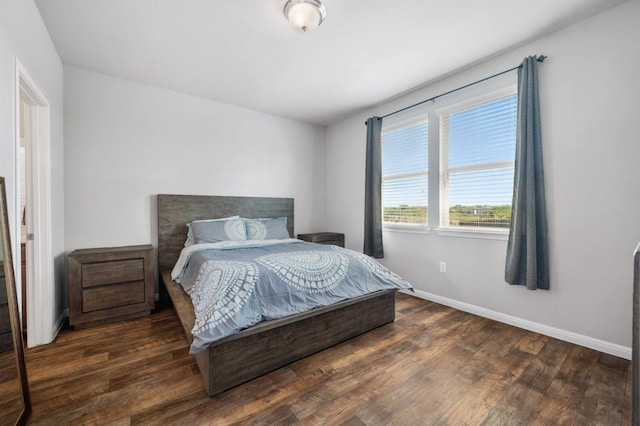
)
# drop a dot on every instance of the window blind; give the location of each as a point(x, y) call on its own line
point(404, 172)
point(477, 152)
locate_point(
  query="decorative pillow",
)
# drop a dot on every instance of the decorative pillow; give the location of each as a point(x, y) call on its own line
point(267, 229)
point(219, 230)
point(190, 239)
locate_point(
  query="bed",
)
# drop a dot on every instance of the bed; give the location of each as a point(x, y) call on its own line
point(269, 345)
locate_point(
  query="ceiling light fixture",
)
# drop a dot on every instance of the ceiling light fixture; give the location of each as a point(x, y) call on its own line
point(305, 15)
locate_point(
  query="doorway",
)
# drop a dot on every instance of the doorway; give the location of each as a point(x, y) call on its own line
point(22, 218)
point(36, 298)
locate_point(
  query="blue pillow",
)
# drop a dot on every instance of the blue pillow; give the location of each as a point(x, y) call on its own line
point(218, 230)
point(267, 229)
point(190, 240)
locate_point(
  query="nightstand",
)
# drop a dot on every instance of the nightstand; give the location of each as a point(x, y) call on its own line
point(110, 284)
point(324, 238)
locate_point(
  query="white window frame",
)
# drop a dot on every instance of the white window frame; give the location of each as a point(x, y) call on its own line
point(443, 205)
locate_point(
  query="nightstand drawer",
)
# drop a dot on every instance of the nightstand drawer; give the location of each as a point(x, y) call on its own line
point(333, 238)
point(330, 242)
point(121, 271)
point(112, 296)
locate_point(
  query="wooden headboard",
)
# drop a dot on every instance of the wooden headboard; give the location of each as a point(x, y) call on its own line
point(175, 211)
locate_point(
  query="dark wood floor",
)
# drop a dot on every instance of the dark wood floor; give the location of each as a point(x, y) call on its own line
point(434, 365)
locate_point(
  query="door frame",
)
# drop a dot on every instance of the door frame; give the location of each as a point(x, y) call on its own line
point(40, 272)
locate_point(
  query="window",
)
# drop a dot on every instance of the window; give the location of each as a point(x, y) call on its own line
point(477, 152)
point(404, 171)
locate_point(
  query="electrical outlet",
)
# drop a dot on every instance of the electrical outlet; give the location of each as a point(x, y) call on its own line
point(443, 267)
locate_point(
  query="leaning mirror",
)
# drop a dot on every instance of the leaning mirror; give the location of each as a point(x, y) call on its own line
point(14, 394)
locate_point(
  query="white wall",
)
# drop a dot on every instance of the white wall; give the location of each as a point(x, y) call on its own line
point(589, 98)
point(125, 142)
point(23, 36)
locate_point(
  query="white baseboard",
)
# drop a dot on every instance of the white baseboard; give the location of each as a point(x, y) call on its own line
point(567, 336)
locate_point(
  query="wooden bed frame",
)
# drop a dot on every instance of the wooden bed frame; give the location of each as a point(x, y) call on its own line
point(271, 344)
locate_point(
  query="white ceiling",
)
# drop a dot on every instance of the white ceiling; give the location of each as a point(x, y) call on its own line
point(243, 52)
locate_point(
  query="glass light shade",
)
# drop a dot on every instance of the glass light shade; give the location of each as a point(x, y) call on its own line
point(304, 15)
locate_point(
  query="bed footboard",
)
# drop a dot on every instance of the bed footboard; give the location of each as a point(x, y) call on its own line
point(273, 344)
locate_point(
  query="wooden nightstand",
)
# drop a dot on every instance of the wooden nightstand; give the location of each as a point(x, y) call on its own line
point(324, 238)
point(110, 284)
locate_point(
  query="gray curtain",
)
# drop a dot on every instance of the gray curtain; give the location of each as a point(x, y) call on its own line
point(527, 253)
point(373, 190)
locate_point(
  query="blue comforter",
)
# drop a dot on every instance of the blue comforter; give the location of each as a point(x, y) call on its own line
point(236, 285)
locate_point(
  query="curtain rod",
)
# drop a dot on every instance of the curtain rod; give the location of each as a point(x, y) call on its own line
point(540, 58)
